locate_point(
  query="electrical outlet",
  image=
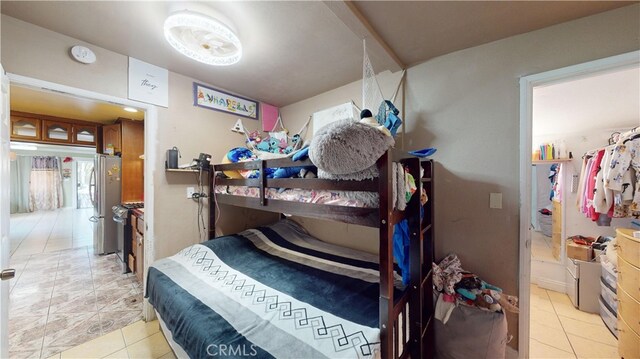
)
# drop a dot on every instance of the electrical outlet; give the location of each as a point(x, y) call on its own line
point(495, 200)
point(190, 192)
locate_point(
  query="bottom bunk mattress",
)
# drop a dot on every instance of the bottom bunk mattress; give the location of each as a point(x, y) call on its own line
point(269, 292)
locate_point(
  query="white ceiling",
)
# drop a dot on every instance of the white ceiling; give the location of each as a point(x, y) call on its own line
point(295, 50)
point(600, 102)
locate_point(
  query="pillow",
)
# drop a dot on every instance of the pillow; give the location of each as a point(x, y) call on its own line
point(346, 147)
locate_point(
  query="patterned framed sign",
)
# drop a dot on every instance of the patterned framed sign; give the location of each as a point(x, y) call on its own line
point(207, 97)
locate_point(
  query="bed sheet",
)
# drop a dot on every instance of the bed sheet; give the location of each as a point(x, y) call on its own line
point(336, 198)
point(269, 292)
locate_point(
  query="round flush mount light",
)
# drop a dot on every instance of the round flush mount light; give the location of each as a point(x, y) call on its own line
point(130, 109)
point(83, 54)
point(202, 38)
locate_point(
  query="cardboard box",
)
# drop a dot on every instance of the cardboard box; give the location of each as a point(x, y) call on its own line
point(579, 251)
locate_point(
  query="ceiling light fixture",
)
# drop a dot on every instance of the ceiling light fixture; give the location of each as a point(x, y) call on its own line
point(202, 38)
point(23, 146)
point(130, 109)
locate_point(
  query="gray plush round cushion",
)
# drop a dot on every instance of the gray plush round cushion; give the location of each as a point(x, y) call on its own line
point(345, 146)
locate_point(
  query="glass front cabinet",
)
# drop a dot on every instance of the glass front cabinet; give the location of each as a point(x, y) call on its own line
point(54, 131)
point(25, 128)
point(84, 134)
point(49, 129)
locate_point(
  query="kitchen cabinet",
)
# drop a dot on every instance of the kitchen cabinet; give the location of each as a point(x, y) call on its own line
point(25, 128)
point(127, 138)
point(85, 134)
point(32, 127)
point(136, 257)
point(55, 131)
point(111, 135)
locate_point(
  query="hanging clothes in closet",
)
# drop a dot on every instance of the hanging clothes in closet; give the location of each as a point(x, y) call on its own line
point(609, 186)
point(624, 168)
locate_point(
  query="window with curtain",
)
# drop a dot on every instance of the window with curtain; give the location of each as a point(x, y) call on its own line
point(20, 173)
point(45, 189)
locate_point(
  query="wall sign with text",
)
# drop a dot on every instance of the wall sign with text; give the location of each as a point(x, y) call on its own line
point(148, 83)
point(217, 100)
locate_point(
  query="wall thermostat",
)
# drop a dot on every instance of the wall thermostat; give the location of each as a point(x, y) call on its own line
point(83, 54)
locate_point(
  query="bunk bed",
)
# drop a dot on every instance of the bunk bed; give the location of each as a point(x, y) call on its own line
point(405, 316)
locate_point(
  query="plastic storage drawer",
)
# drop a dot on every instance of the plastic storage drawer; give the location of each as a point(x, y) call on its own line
point(608, 296)
point(609, 275)
point(609, 319)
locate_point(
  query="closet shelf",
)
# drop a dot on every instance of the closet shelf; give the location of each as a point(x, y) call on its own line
point(557, 160)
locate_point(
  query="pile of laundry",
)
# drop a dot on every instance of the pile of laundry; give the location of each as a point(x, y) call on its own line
point(455, 286)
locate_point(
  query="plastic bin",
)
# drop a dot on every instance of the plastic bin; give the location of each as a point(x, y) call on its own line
point(609, 319)
point(608, 296)
point(609, 275)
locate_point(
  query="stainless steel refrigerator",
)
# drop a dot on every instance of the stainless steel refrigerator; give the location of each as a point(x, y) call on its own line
point(105, 188)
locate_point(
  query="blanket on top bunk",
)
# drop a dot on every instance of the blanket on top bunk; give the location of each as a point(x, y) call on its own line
point(269, 292)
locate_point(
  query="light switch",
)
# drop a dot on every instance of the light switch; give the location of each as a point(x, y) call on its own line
point(495, 200)
point(190, 192)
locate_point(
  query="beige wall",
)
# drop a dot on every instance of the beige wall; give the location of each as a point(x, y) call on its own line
point(467, 105)
point(42, 54)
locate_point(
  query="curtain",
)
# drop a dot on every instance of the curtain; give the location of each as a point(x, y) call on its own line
point(45, 190)
point(20, 172)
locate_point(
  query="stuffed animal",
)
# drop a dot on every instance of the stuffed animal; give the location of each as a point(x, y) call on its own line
point(289, 172)
point(367, 118)
point(238, 154)
point(484, 295)
point(263, 146)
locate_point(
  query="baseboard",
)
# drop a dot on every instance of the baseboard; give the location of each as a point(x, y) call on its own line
point(510, 353)
point(546, 283)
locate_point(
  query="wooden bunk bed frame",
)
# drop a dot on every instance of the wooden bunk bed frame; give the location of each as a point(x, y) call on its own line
point(415, 305)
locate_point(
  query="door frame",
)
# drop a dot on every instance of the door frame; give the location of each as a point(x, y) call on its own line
point(76, 166)
point(150, 150)
point(527, 83)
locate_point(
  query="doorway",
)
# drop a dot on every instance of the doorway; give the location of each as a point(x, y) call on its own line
point(84, 168)
point(78, 314)
point(549, 270)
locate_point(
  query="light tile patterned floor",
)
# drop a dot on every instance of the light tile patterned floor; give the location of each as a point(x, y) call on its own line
point(559, 330)
point(541, 247)
point(137, 340)
point(49, 231)
point(63, 298)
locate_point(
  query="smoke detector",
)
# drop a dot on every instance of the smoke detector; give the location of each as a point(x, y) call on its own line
point(83, 54)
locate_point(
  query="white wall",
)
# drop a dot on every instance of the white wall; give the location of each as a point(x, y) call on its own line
point(467, 105)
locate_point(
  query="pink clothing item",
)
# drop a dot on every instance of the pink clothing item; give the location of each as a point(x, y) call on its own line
point(585, 190)
point(592, 185)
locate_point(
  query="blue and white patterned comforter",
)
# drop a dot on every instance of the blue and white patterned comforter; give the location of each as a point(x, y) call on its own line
point(269, 292)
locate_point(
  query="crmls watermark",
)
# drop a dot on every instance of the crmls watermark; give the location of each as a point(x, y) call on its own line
point(231, 350)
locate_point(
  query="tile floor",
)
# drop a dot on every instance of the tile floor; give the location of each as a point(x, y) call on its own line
point(49, 231)
point(63, 298)
point(559, 330)
point(541, 247)
point(137, 340)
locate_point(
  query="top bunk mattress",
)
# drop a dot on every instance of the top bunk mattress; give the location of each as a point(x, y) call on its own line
point(337, 198)
point(273, 291)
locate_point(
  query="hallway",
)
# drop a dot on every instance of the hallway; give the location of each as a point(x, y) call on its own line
point(49, 231)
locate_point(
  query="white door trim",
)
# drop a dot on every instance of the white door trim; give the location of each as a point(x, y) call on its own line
point(527, 83)
point(150, 150)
